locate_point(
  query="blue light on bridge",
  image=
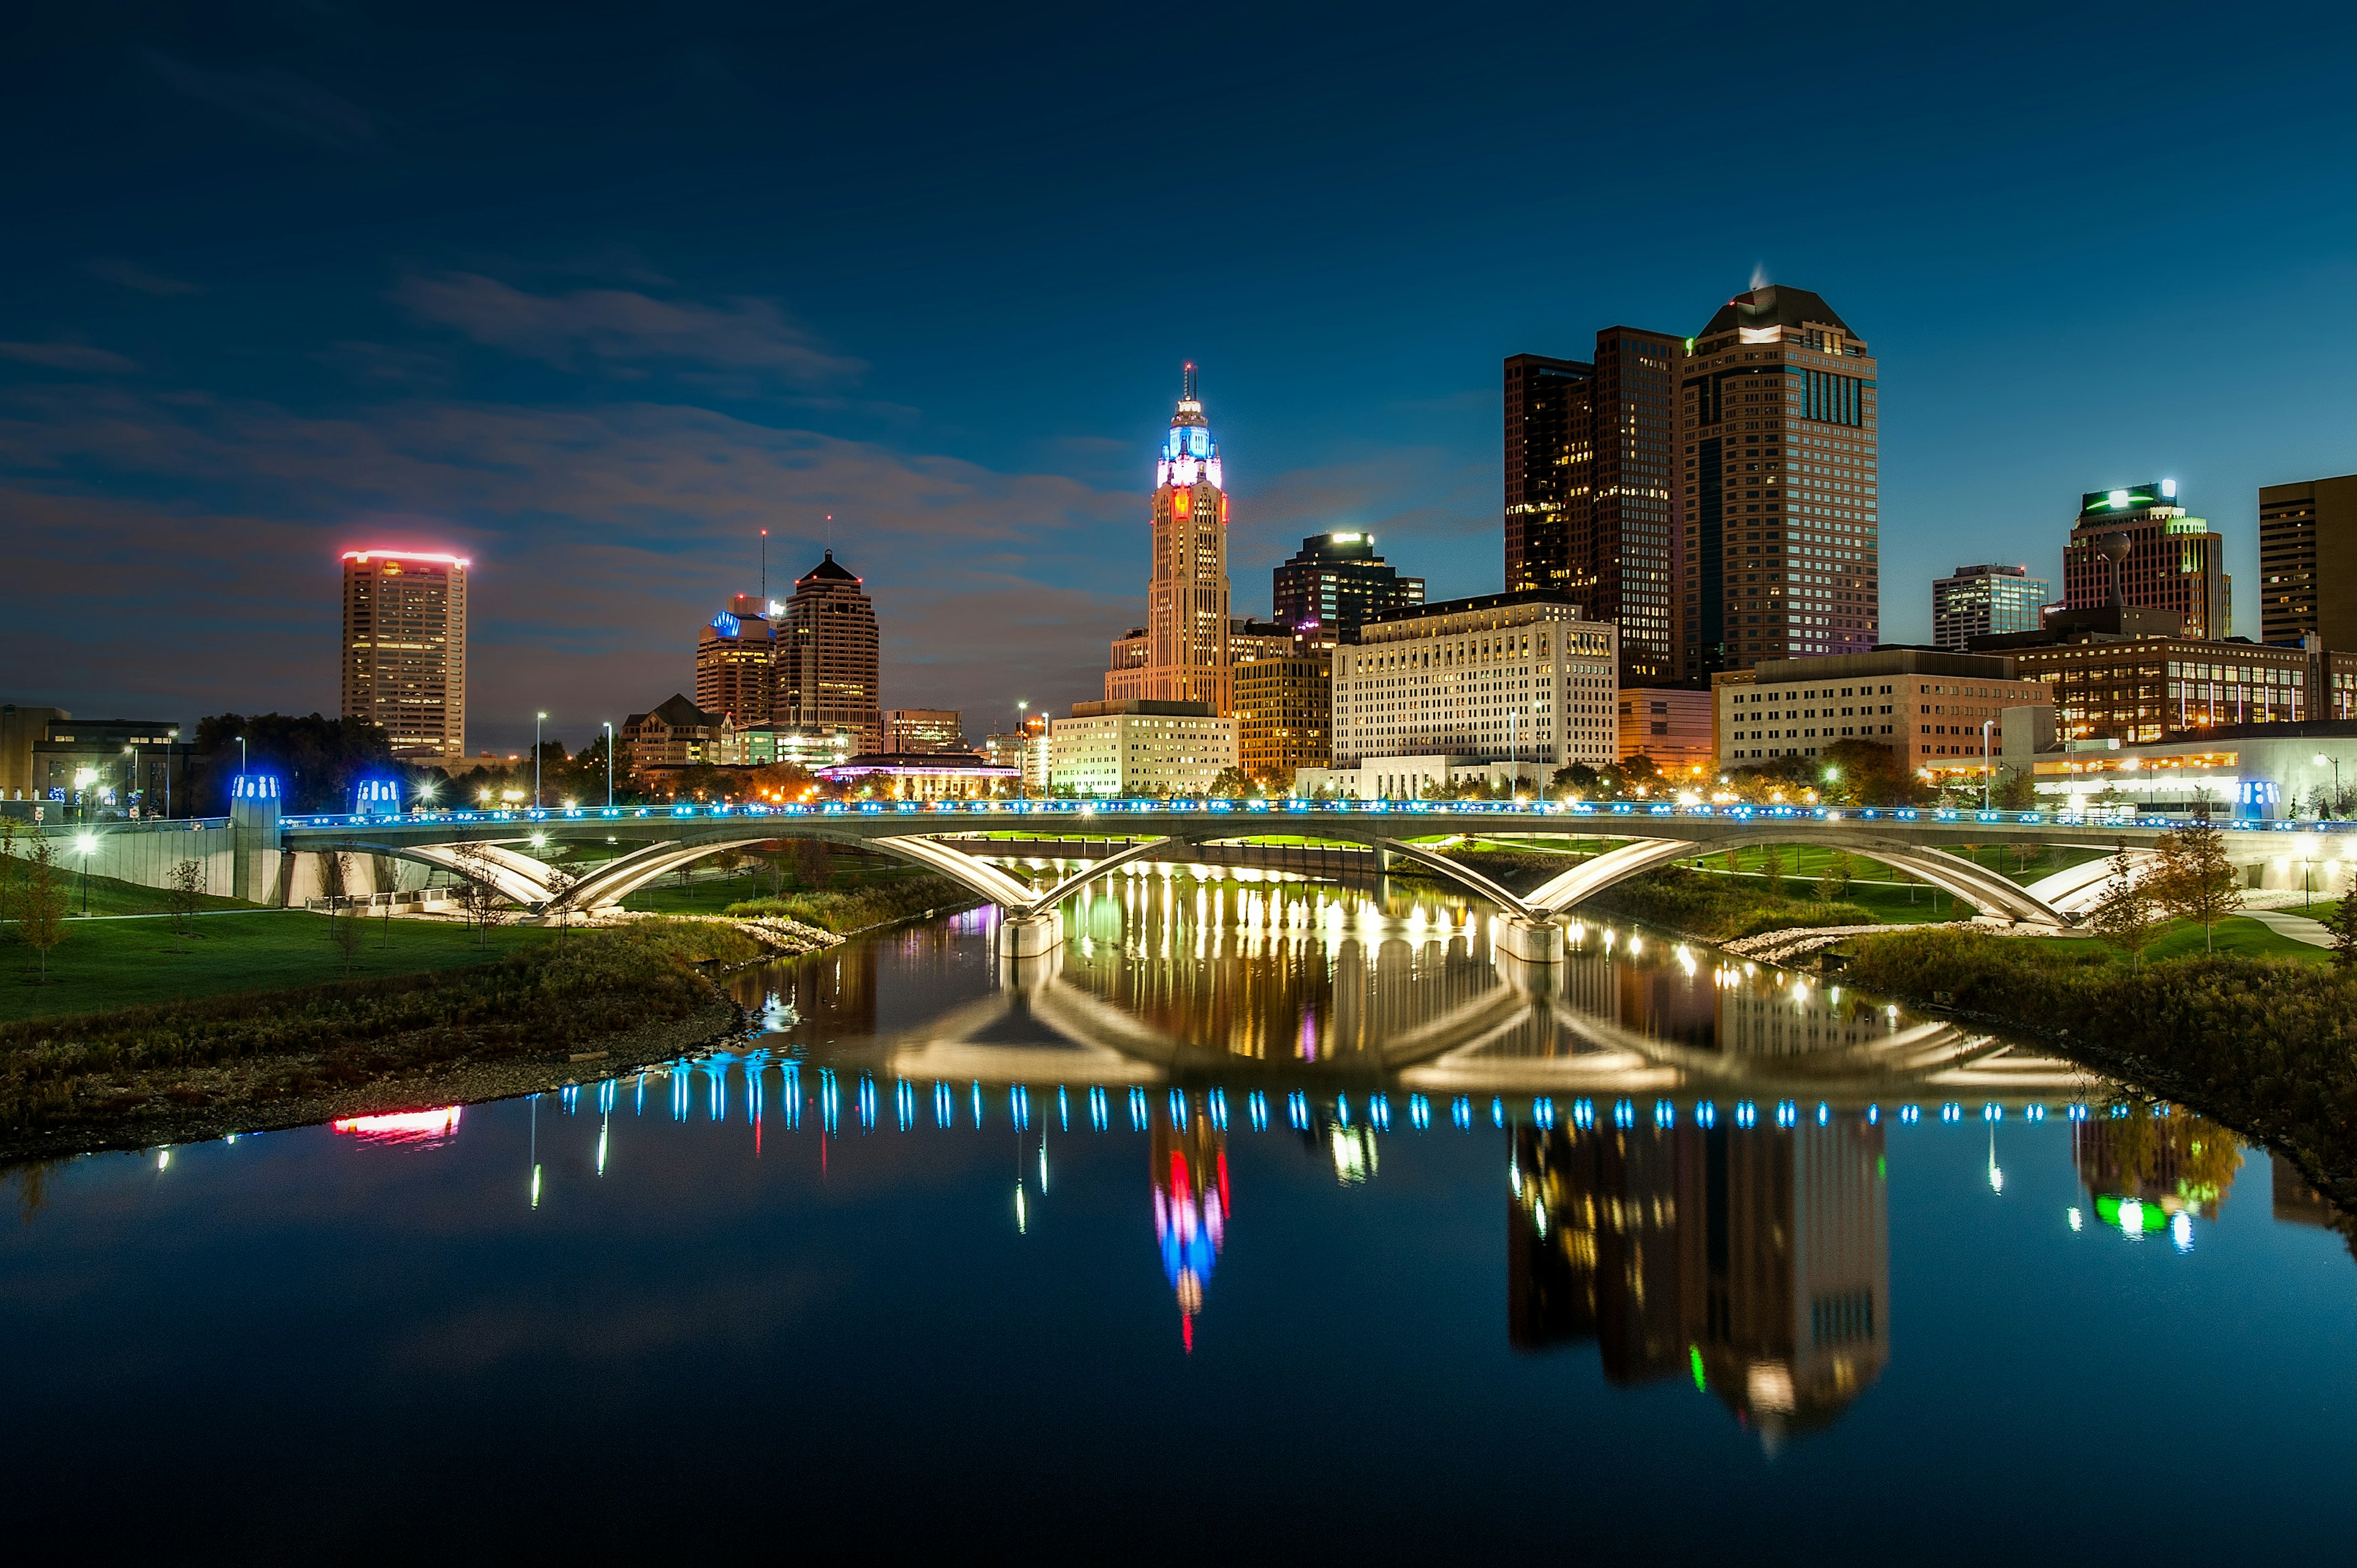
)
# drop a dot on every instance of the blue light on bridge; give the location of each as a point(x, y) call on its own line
point(2078, 1113)
point(1992, 1111)
point(1825, 1113)
point(1873, 1115)
point(2035, 1113)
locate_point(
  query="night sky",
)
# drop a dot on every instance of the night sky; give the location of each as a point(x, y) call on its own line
point(591, 294)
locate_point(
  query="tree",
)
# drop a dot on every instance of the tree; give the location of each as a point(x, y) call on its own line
point(2125, 917)
point(41, 902)
point(2016, 791)
point(1772, 862)
point(479, 900)
point(2193, 879)
point(2342, 924)
point(1231, 783)
point(1835, 881)
point(8, 872)
point(562, 881)
point(183, 895)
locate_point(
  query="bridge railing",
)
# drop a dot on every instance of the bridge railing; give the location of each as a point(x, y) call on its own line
point(998, 811)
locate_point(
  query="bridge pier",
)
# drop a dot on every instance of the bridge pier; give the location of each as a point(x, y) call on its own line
point(1530, 940)
point(1030, 936)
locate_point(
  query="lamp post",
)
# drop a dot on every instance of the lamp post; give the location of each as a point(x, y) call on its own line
point(610, 762)
point(84, 778)
point(1022, 748)
point(2332, 806)
point(131, 795)
point(171, 740)
point(1986, 765)
point(86, 843)
point(536, 719)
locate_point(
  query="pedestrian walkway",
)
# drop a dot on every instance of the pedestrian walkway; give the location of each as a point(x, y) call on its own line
point(2298, 927)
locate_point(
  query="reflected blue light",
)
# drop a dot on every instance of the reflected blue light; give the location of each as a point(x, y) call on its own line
point(570, 1098)
point(1178, 1110)
point(1137, 1109)
point(1460, 1111)
point(942, 1113)
point(1498, 1112)
point(1419, 1111)
point(1706, 1114)
point(904, 1103)
point(606, 1097)
point(1256, 1106)
point(1297, 1106)
point(829, 1100)
point(2078, 1113)
point(1342, 1109)
point(1064, 1111)
point(1018, 1107)
point(1992, 1111)
point(1097, 1109)
point(1219, 1109)
point(1378, 1112)
point(1624, 1113)
point(790, 1095)
point(1746, 1113)
point(1952, 1111)
point(1665, 1113)
point(867, 1103)
point(1909, 1115)
point(1873, 1114)
point(2035, 1113)
point(977, 1105)
point(1787, 1113)
point(641, 1109)
point(1825, 1112)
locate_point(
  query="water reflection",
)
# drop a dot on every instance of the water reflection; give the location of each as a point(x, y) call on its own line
point(1759, 1266)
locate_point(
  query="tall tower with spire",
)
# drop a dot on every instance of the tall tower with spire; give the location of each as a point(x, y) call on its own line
point(1187, 597)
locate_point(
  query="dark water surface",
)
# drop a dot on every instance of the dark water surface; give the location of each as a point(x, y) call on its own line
point(1301, 1295)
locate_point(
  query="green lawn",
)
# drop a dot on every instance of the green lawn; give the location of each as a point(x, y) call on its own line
point(2234, 935)
point(103, 964)
point(109, 896)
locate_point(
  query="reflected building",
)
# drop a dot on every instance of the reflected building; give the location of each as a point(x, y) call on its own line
point(2297, 1203)
point(1189, 1172)
point(1756, 1261)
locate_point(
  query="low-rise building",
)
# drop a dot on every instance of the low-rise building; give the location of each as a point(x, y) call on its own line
point(110, 767)
point(676, 734)
point(1420, 777)
point(1926, 705)
point(2252, 770)
point(922, 775)
point(1140, 748)
point(769, 745)
point(1505, 677)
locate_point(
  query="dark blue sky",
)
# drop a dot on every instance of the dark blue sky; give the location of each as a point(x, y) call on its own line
point(593, 293)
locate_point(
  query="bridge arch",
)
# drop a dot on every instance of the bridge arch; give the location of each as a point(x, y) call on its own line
point(517, 877)
point(621, 878)
point(1952, 874)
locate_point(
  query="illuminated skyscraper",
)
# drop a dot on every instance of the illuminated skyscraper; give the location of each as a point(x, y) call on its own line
point(1779, 431)
point(2173, 563)
point(405, 654)
point(1590, 506)
point(1187, 597)
point(1335, 582)
point(736, 662)
point(827, 656)
point(2307, 561)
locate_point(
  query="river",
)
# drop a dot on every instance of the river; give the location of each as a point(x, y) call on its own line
point(1270, 1219)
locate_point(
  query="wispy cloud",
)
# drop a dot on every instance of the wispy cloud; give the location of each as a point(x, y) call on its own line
point(67, 355)
point(626, 331)
point(143, 280)
point(278, 98)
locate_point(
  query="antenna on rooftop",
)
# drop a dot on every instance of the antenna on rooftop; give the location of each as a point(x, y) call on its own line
point(765, 571)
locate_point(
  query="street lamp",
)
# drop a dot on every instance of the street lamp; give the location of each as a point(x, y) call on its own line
point(84, 778)
point(171, 738)
point(2333, 806)
point(86, 843)
point(610, 762)
point(131, 795)
point(1986, 768)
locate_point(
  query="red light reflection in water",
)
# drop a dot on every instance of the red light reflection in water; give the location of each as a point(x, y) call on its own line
point(404, 1126)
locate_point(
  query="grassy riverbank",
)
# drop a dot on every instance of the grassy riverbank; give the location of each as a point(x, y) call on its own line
point(2265, 1045)
point(141, 1075)
point(851, 909)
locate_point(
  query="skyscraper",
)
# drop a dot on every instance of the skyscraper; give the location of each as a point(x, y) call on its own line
point(1778, 427)
point(827, 656)
point(1187, 595)
point(736, 662)
point(1590, 506)
point(405, 654)
point(1548, 468)
point(2173, 561)
point(1983, 601)
point(1335, 582)
point(2307, 561)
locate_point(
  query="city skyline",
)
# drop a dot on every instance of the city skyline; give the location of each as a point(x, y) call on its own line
point(601, 396)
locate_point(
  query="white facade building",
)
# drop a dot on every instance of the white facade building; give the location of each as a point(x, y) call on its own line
point(1139, 748)
point(1508, 677)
